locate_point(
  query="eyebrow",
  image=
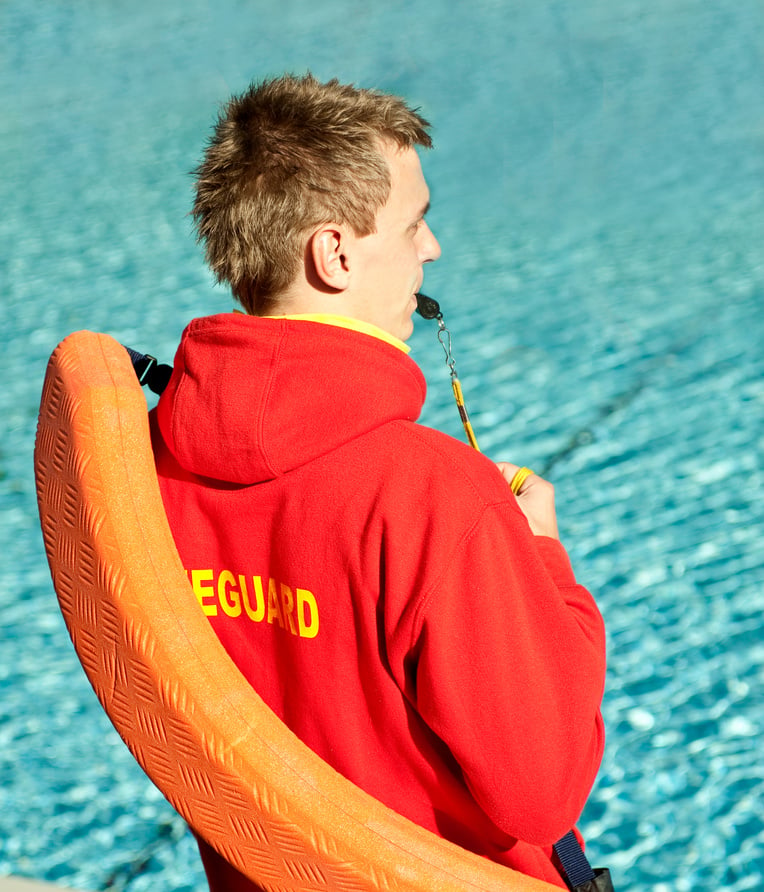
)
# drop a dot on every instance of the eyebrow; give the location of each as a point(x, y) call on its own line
point(422, 213)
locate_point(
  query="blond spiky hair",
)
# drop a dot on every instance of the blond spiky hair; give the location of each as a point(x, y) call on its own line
point(286, 156)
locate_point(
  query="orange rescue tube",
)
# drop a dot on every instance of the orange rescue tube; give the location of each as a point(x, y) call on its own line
point(226, 763)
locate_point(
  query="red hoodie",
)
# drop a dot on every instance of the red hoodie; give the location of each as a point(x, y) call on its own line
point(378, 585)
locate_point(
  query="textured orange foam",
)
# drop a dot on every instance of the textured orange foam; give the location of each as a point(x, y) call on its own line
point(224, 761)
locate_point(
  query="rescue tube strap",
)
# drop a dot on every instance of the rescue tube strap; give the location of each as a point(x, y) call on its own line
point(577, 871)
point(574, 862)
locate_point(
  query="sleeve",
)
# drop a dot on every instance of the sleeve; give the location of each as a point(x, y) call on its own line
point(509, 667)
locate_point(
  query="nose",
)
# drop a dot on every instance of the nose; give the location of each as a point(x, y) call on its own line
point(429, 247)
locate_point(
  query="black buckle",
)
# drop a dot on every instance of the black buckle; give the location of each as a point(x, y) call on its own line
point(144, 366)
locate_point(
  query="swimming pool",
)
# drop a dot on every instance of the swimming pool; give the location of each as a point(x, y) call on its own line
point(597, 191)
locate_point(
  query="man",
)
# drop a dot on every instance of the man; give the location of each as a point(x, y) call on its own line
point(379, 584)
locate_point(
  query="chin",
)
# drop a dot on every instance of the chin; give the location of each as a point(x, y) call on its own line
point(406, 330)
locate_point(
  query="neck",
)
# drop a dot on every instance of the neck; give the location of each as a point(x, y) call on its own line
point(301, 299)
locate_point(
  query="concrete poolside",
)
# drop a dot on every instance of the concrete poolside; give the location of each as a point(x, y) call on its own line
point(22, 884)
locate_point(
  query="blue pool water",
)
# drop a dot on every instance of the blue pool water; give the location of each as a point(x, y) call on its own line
point(598, 191)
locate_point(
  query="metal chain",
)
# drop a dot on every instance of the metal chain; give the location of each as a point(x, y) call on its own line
point(429, 309)
point(444, 336)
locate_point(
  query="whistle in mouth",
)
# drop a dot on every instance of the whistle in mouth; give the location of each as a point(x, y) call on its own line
point(427, 307)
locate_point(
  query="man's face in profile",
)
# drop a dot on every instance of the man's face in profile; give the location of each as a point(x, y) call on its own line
point(389, 262)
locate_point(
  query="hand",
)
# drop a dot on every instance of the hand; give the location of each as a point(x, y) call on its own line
point(536, 501)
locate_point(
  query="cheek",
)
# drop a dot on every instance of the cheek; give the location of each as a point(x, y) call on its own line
point(410, 261)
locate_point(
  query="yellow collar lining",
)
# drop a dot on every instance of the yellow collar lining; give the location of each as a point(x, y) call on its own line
point(353, 324)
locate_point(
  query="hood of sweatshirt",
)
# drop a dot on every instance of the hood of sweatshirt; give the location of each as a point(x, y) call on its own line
point(251, 398)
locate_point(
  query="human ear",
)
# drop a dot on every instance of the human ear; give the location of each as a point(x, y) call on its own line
point(328, 248)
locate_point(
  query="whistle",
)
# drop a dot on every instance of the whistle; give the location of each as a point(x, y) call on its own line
point(427, 307)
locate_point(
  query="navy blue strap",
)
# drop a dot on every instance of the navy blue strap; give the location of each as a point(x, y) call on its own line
point(574, 863)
